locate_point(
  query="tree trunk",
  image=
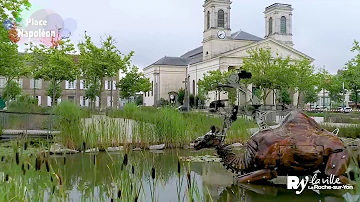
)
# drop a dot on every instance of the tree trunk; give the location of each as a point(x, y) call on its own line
point(111, 92)
point(53, 93)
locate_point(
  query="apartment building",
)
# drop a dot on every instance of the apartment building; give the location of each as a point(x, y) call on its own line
point(73, 91)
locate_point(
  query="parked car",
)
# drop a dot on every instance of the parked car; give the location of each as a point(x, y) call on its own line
point(346, 109)
point(184, 108)
point(214, 105)
point(320, 109)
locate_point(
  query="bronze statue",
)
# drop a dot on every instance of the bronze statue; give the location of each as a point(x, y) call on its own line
point(298, 146)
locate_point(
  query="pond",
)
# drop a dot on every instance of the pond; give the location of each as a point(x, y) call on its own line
point(105, 176)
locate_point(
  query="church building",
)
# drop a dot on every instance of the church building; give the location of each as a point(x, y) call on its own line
point(221, 49)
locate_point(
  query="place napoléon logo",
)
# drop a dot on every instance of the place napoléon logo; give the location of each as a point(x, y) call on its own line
point(42, 26)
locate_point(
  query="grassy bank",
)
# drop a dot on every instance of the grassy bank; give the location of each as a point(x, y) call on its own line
point(139, 127)
point(353, 117)
point(348, 132)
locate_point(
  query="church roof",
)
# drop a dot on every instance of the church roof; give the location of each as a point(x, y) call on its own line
point(241, 35)
point(174, 61)
point(196, 55)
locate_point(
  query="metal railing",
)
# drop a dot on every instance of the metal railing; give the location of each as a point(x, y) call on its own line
point(27, 123)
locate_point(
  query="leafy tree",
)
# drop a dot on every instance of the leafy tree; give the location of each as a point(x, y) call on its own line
point(311, 95)
point(12, 90)
point(10, 10)
point(335, 88)
point(13, 8)
point(96, 63)
point(353, 97)
point(285, 97)
point(54, 91)
point(209, 82)
point(305, 77)
point(268, 72)
point(351, 73)
point(139, 100)
point(54, 64)
point(92, 91)
point(181, 96)
point(11, 62)
point(132, 83)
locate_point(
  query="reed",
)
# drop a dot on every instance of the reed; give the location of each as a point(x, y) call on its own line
point(42, 178)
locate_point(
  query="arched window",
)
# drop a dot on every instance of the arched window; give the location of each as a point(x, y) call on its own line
point(152, 88)
point(221, 18)
point(270, 25)
point(194, 87)
point(283, 25)
point(208, 20)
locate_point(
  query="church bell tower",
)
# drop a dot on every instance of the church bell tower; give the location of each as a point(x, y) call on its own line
point(216, 24)
point(278, 23)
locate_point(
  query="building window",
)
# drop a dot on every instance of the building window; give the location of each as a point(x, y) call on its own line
point(193, 87)
point(152, 88)
point(84, 102)
point(270, 25)
point(71, 98)
point(2, 83)
point(108, 85)
point(83, 85)
point(38, 98)
point(37, 84)
point(70, 84)
point(110, 102)
point(221, 18)
point(208, 20)
point(283, 25)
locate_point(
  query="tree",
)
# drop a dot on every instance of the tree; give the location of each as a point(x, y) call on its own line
point(181, 96)
point(139, 100)
point(305, 77)
point(133, 82)
point(92, 91)
point(12, 90)
point(285, 97)
point(54, 64)
point(96, 63)
point(13, 8)
point(311, 95)
point(268, 72)
point(351, 73)
point(11, 62)
point(54, 91)
point(353, 97)
point(335, 88)
point(210, 82)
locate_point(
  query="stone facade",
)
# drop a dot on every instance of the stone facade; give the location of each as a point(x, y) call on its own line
point(222, 50)
point(74, 91)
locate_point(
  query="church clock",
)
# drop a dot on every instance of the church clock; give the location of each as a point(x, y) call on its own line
point(221, 34)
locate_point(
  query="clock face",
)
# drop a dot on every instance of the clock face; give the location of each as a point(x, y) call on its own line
point(221, 34)
point(171, 96)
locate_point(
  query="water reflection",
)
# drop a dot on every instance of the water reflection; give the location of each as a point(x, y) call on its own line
point(94, 175)
point(267, 193)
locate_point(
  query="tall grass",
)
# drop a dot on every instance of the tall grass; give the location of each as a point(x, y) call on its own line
point(139, 127)
point(346, 131)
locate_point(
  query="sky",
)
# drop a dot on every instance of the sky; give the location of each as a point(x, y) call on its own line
point(322, 29)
